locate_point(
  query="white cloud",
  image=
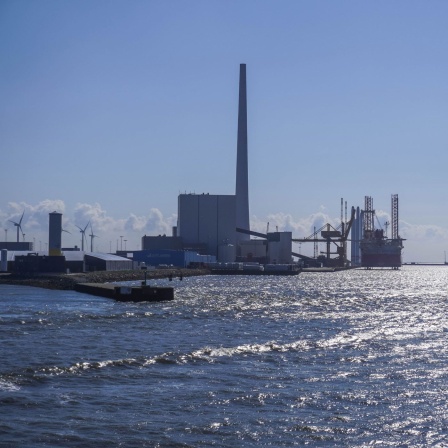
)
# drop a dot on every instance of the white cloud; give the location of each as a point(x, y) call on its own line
point(108, 229)
point(301, 228)
point(423, 232)
point(35, 217)
point(423, 242)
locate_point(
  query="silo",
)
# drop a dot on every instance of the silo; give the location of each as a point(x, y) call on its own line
point(55, 234)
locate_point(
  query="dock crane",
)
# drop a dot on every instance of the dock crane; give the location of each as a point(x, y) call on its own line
point(330, 235)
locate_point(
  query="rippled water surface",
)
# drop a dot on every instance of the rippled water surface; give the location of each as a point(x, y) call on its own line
point(353, 358)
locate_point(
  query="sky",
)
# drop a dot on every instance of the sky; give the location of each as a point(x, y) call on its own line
point(110, 109)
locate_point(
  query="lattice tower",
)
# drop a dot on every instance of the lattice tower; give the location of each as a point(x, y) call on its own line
point(369, 214)
point(394, 215)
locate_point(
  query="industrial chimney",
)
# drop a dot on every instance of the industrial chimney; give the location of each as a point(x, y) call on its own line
point(242, 189)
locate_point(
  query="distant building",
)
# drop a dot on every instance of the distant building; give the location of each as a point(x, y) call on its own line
point(95, 261)
point(254, 250)
point(25, 262)
point(206, 222)
point(279, 247)
point(11, 245)
point(161, 242)
point(32, 263)
point(276, 249)
point(177, 258)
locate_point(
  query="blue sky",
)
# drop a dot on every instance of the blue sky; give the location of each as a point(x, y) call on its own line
point(109, 109)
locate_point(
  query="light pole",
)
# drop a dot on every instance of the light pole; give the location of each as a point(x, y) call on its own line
point(121, 242)
point(125, 245)
point(144, 268)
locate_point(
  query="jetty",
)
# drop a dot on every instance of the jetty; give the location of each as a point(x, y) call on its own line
point(144, 293)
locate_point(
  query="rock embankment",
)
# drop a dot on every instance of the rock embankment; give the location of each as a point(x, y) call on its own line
point(68, 281)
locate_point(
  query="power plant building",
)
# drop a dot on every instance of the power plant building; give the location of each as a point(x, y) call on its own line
point(207, 223)
point(275, 249)
point(279, 247)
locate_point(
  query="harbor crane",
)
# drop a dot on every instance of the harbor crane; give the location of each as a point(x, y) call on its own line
point(331, 236)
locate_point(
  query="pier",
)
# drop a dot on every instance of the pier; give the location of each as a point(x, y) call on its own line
point(127, 293)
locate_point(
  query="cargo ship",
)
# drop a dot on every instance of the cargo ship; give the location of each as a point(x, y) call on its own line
point(377, 251)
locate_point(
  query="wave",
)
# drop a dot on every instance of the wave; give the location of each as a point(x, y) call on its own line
point(206, 354)
point(13, 381)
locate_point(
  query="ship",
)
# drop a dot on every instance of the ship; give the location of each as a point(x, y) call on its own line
point(378, 251)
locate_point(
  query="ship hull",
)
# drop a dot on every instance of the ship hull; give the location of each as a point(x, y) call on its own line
point(381, 253)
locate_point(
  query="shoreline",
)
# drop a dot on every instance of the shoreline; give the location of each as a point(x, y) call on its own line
point(69, 281)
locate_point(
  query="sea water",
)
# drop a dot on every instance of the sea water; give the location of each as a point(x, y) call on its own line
point(354, 358)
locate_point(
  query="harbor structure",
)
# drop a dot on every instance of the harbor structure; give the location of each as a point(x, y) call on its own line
point(377, 250)
point(335, 239)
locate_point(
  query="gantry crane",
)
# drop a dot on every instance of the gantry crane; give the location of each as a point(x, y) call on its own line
point(330, 235)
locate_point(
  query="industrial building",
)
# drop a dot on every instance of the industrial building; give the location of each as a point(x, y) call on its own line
point(207, 222)
point(218, 225)
point(276, 248)
point(177, 258)
point(28, 262)
point(106, 262)
point(12, 245)
point(162, 242)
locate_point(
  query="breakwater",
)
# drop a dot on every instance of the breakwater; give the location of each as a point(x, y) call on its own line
point(69, 281)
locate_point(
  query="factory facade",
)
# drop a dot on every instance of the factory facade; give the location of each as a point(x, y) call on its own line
point(207, 223)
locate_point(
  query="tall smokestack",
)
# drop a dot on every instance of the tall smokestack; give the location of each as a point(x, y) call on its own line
point(242, 189)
